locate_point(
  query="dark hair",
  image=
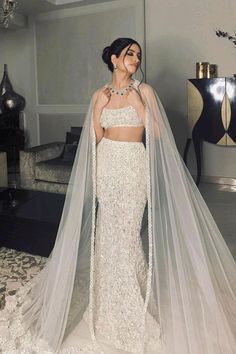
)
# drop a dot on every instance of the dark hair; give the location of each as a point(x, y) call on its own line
point(116, 48)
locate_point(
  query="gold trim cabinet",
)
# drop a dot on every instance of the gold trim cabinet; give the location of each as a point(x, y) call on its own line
point(211, 115)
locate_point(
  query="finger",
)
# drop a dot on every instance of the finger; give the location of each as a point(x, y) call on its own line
point(106, 92)
point(105, 88)
point(131, 89)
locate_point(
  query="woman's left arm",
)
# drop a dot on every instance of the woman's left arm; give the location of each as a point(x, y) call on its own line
point(135, 99)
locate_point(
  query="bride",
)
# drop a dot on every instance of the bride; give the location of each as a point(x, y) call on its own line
point(139, 265)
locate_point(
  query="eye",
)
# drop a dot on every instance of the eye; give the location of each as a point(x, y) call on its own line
point(130, 53)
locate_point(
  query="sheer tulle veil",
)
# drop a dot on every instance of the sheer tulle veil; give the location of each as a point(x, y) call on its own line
point(191, 287)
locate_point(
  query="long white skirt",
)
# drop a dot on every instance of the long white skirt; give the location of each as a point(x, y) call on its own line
point(120, 262)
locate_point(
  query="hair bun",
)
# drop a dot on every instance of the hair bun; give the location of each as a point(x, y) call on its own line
point(105, 54)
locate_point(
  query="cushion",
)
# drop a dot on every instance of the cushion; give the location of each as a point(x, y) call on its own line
point(69, 152)
point(76, 130)
point(72, 138)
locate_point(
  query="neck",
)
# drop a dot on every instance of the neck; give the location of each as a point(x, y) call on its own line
point(120, 80)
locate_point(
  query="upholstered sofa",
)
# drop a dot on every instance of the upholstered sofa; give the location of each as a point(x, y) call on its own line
point(3, 169)
point(48, 167)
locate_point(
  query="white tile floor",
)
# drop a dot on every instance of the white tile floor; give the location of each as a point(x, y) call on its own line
point(222, 205)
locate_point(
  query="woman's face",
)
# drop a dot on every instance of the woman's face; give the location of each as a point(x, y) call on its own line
point(129, 59)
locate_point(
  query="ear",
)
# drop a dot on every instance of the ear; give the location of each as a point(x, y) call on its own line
point(114, 59)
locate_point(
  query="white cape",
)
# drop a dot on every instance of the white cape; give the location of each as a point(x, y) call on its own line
point(192, 274)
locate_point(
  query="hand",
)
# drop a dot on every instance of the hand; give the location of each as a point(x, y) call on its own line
point(103, 97)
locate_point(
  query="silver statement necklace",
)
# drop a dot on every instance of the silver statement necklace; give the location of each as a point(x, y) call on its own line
point(120, 92)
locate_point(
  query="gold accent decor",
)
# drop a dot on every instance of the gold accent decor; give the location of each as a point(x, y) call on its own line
point(226, 112)
point(213, 71)
point(205, 70)
point(202, 70)
point(195, 107)
point(223, 140)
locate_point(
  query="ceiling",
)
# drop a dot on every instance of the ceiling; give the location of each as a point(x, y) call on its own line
point(30, 7)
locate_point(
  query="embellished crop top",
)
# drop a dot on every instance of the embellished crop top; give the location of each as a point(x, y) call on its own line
point(118, 117)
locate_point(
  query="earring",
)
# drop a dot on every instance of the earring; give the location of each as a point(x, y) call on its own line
point(115, 67)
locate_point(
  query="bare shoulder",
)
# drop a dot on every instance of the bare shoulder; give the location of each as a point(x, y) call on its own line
point(95, 94)
point(145, 88)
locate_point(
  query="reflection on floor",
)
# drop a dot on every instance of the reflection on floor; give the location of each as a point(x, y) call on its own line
point(222, 205)
point(29, 220)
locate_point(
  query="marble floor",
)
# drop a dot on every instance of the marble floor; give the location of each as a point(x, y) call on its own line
point(222, 204)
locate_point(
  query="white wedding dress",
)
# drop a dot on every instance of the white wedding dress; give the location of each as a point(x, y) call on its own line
point(120, 282)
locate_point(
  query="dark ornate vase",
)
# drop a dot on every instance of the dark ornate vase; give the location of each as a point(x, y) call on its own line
point(10, 100)
point(1, 105)
point(12, 138)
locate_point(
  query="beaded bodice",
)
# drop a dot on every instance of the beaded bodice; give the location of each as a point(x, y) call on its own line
point(126, 116)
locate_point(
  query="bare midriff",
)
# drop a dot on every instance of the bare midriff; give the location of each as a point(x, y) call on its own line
point(124, 133)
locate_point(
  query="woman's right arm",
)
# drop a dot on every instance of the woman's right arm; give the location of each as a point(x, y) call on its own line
point(99, 131)
point(100, 99)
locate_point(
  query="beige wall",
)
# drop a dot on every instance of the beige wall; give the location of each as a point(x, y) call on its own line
point(178, 34)
point(56, 62)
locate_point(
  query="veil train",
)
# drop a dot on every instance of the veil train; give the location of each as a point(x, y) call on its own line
point(192, 272)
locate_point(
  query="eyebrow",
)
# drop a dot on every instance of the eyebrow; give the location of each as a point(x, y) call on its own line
point(133, 51)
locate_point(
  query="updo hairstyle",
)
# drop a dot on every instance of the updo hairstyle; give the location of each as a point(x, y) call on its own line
point(116, 48)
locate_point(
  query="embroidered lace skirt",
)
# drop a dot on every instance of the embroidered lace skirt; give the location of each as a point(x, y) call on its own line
point(120, 263)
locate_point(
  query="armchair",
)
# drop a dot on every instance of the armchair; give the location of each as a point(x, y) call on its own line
point(48, 167)
point(42, 168)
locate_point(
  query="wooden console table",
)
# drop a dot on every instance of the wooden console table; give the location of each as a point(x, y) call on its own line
point(211, 115)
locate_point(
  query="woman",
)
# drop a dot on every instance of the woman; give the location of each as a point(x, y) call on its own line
point(139, 265)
